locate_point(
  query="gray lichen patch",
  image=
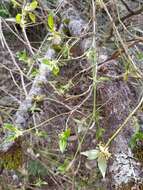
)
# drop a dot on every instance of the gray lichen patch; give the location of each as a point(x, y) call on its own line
point(125, 169)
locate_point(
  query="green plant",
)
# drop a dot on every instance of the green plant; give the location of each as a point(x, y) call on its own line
point(24, 57)
point(63, 139)
point(139, 56)
point(137, 136)
point(4, 12)
point(36, 169)
point(55, 36)
point(39, 182)
point(14, 132)
point(27, 11)
point(102, 155)
point(62, 167)
point(52, 65)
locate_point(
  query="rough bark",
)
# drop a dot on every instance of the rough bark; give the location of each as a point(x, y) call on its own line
point(23, 113)
point(118, 99)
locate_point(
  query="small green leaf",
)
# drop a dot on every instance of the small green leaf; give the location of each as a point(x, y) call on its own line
point(62, 168)
point(33, 5)
point(4, 13)
point(140, 56)
point(18, 18)
point(52, 66)
point(22, 56)
point(102, 164)
point(66, 134)
point(55, 70)
point(51, 22)
point(63, 138)
point(49, 63)
point(10, 127)
point(46, 61)
point(62, 145)
point(32, 17)
point(34, 73)
point(91, 154)
point(14, 132)
point(40, 182)
point(138, 136)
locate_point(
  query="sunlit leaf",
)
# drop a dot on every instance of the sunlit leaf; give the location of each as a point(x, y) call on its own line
point(32, 17)
point(91, 154)
point(102, 164)
point(63, 138)
point(18, 18)
point(51, 22)
point(33, 5)
point(55, 70)
point(62, 145)
point(46, 61)
point(140, 56)
point(9, 127)
point(62, 168)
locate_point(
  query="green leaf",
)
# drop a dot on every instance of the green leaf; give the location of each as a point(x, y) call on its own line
point(40, 182)
point(63, 138)
point(51, 22)
point(66, 133)
point(62, 145)
point(62, 168)
point(14, 131)
point(135, 138)
point(138, 134)
point(34, 73)
point(36, 169)
point(33, 5)
point(91, 154)
point(32, 17)
point(46, 61)
point(10, 127)
point(4, 13)
point(55, 70)
point(18, 18)
point(140, 56)
point(102, 164)
point(52, 66)
point(22, 56)
point(49, 63)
